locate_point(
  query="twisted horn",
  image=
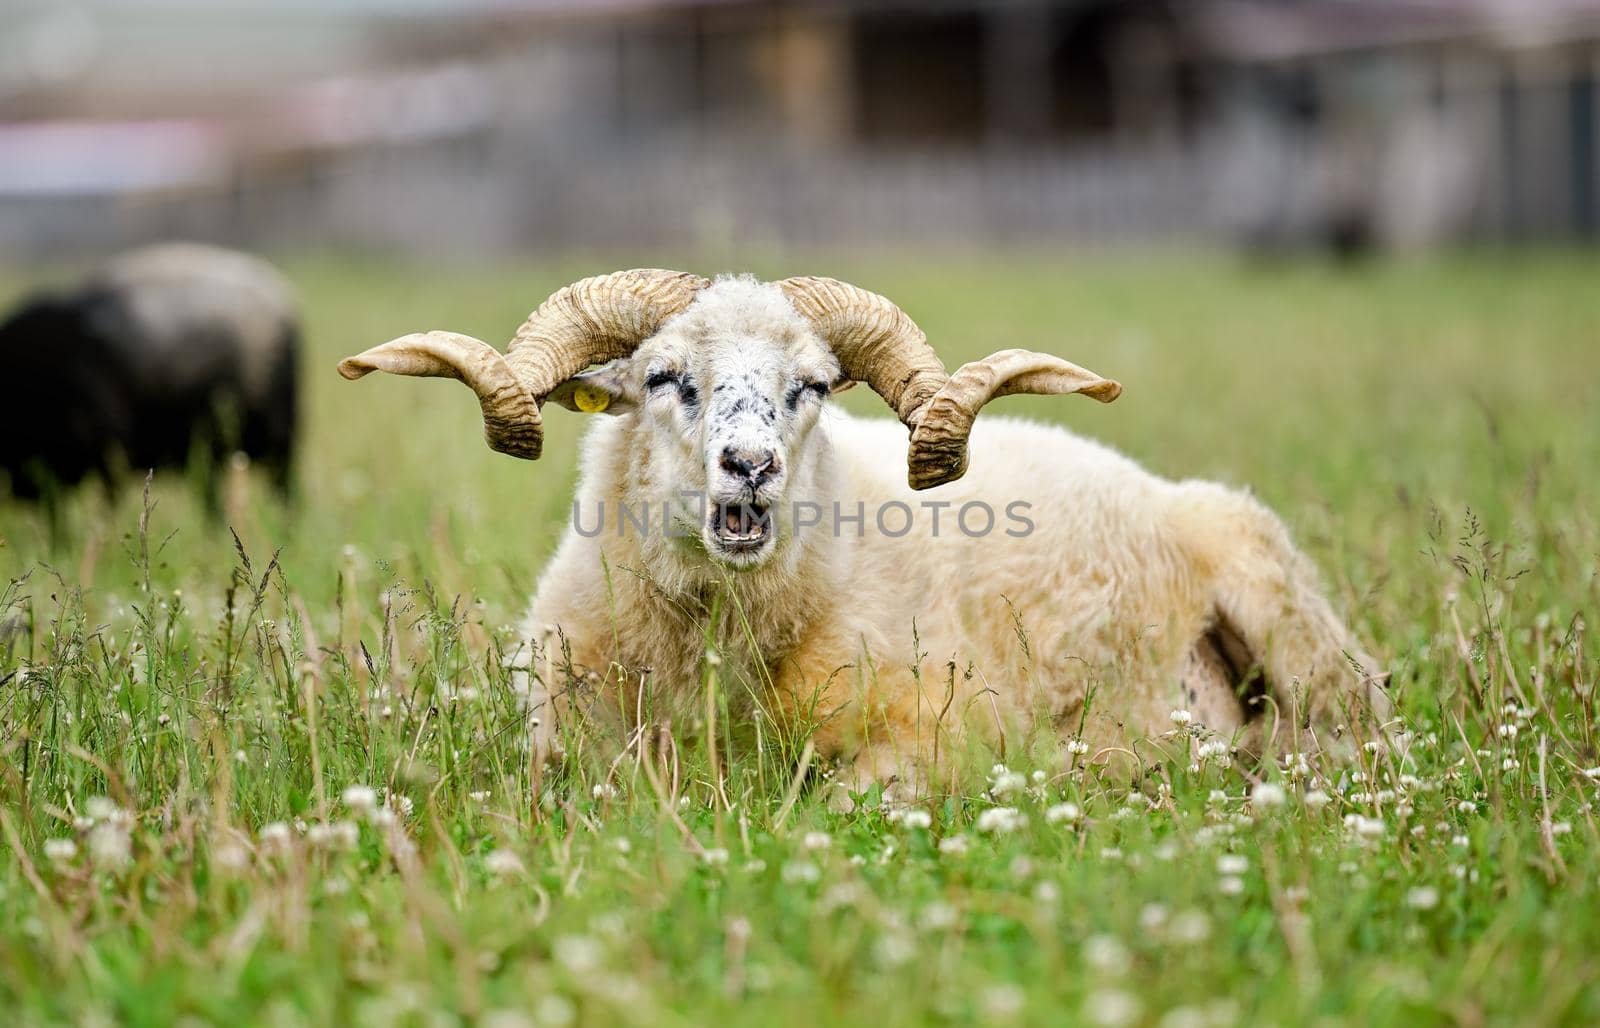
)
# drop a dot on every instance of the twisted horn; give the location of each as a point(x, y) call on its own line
point(595, 320)
point(588, 322)
point(877, 343)
point(938, 450)
point(511, 422)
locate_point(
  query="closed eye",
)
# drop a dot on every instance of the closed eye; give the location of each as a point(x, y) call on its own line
point(799, 389)
point(657, 379)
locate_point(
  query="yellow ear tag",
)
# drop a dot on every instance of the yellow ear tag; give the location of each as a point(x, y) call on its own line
point(591, 400)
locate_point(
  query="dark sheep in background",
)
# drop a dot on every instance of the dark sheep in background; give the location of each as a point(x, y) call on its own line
point(167, 354)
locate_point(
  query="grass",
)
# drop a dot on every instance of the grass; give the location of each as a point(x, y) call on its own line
point(189, 707)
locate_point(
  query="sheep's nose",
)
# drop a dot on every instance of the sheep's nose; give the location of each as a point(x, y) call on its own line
point(754, 466)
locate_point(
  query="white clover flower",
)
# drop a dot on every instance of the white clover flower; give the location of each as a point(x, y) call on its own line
point(622, 845)
point(1510, 764)
point(917, 820)
point(1038, 777)
point(1111, 1008)
point(579, 954)
point(1561, 828)
point(1181, 717)
point(843, 896)
point(754, 867)
point(1230, 886)
point(1188, 1017)
point(604, 791)
point(230, 855)
point(800, 872)
point(1190, 927)
point(1078, 748)
point(894, 949)
point(100, 808)
point(1000, 820)
point(1005, 782)
point(1508, 730)
point(339, 835)
point(1062, 813)
point(1153, 917)
point(1366, 827)
point(1467, 807)
point(1105, 954)
point(817, 841)
point(938, 916)
point(1232, 864)
point(1002, 1002)
point(1021, 868)
point(1110, 854)
point(363, 799)
point(1316, 799)
point(1047, 893)
point(275, 835)
point(1461, 841)
point(1267, 794)
point(954, 845)
point(1423, 897)
point(478, 796)
point(503, 863)
point(60, 851)
point(110, 845)
point(715, 857)
point(1592, 773)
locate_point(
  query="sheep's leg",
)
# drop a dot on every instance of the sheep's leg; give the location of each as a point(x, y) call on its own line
point(866, 710)
point(558, 679)
point(1268, 596)
point(1211, 678)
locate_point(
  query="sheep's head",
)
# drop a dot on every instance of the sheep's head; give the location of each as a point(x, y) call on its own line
point(725, 395)
point(731, 376)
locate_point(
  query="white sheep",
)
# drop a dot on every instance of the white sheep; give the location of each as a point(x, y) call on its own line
point(1055, 582)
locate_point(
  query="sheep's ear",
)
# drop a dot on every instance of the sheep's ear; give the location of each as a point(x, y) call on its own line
point(607, 390)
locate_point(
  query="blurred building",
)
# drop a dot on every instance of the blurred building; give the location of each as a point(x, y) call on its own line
point(511, 125)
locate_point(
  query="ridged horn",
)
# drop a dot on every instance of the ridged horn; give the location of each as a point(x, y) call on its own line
point(588, 322)
point(511, 422)
point(938, 451)
point(878, 343)
point(595, 320)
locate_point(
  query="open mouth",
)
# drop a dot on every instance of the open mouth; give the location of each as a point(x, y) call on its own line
point(741, 527)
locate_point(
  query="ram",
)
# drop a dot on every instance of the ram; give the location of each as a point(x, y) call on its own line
point(722, 498)
point(167, 353)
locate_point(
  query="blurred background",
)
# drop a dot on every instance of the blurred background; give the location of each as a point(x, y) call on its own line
point(502, 127)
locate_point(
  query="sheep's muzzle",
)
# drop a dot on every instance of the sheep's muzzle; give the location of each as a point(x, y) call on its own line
point(741, 527)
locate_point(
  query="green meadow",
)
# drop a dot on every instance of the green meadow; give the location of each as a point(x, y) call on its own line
point(268, 767)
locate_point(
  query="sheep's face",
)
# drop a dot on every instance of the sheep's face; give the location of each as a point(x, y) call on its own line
point(727, 394)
